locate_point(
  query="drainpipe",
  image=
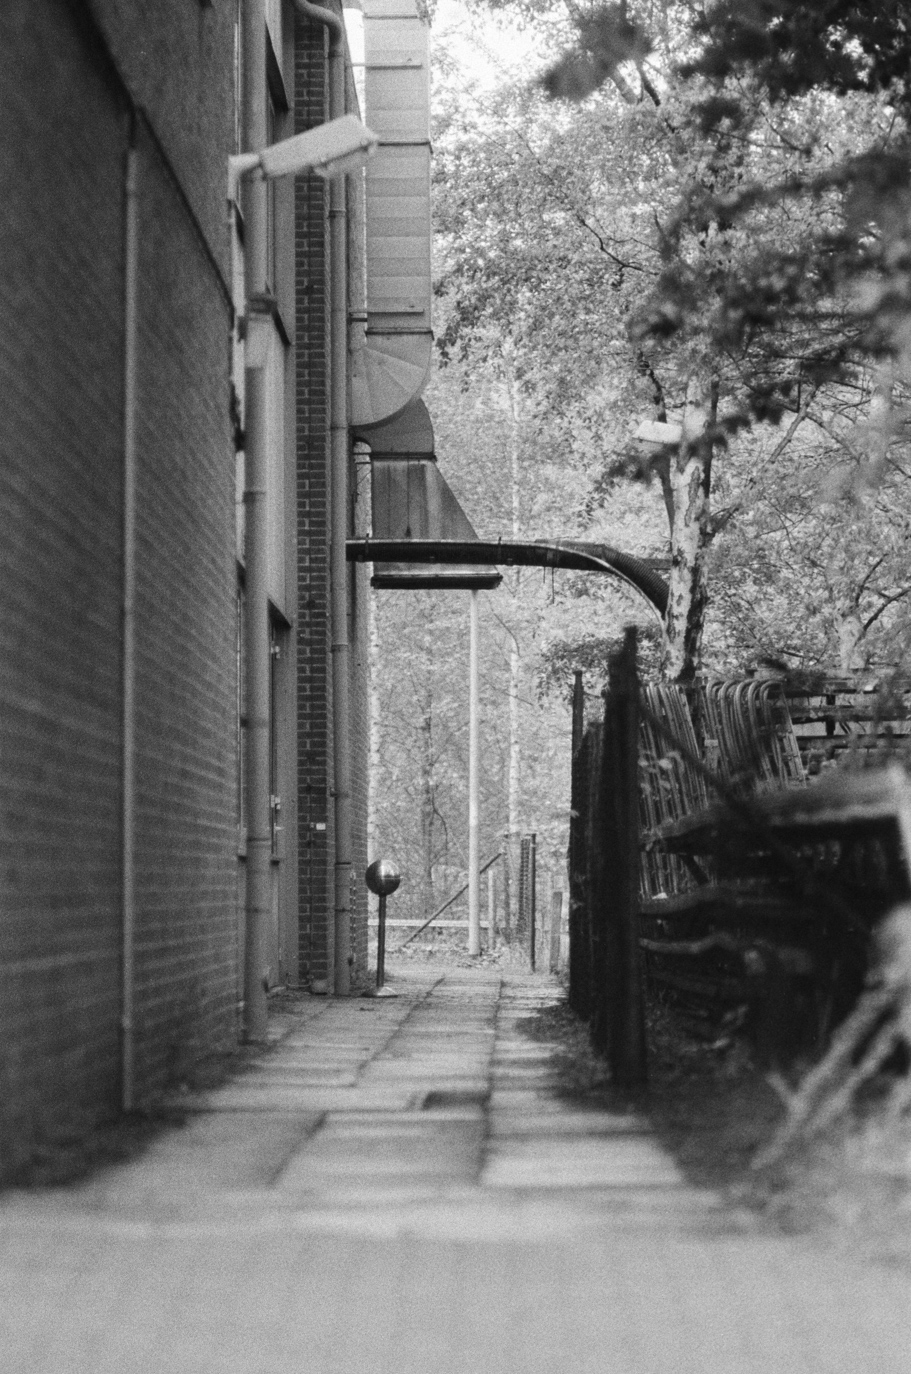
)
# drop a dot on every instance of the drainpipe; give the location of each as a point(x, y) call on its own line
point(257, 325)
point(338, 571)
point(128, 829)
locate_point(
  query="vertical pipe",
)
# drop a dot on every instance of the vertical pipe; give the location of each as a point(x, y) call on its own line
point(259, 838)
point(131, 276)
point(491, 908)
point(259, 834)
point(474, 919)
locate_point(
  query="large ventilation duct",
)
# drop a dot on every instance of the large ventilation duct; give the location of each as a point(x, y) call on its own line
point(412, 500)
point(392, 348)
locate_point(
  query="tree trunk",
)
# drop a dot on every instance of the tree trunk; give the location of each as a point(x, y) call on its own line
point(851, 658)
point(691, 485)
point(428, 802)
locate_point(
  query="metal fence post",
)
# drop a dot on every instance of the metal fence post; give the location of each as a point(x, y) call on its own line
point(556, 920)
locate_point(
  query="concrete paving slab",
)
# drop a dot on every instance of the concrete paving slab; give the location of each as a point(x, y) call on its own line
point(506, 1123)
point(212, 1151)
point(276, 1097)
point(522, 1100)
point(606, 1161)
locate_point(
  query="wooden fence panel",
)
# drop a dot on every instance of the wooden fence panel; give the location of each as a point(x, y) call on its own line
point(579, 967)
point(618, 1022)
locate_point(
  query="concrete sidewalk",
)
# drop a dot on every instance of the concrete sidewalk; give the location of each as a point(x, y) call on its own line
point(398, 1186)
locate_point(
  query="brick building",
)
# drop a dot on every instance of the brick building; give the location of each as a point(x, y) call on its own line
point(117, 613)
point(124, 615)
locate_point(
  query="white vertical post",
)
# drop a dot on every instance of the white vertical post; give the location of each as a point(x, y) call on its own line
point(474, 913)
point(258, 325)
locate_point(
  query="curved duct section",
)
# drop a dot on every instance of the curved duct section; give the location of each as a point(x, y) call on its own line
point(412, 500)
point(391, 349)
point(409, 434)
point(639, 573)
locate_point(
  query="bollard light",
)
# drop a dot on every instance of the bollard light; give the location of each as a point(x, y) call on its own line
point(382, 878)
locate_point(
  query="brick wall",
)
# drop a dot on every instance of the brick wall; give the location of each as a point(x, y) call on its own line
point(315, 721)
point(66, 119)
point(312, 398)
point(185, 613)
point(60, 491)
point(176, 58)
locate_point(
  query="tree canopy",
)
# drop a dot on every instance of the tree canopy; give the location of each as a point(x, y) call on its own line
point(681, 214)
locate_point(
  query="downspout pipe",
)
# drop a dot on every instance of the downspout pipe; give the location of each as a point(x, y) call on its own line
point(338, 486)
point(258, 909)
point(128, 802)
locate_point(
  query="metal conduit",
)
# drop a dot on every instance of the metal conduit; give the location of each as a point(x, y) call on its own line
point(638, 573)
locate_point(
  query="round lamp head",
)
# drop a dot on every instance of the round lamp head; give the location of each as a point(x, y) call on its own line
point(383, 877)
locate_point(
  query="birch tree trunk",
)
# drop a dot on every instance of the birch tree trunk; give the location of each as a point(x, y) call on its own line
point(691, 486)
point(849, 620)
point(850, 630)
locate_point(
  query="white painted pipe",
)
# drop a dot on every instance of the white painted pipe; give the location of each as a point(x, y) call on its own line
point(256, 583)
point(474, 915)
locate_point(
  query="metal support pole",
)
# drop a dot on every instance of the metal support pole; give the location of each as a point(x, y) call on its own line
point(381, 943)
point(382, 877)
point(491, 909)
point(474, 916)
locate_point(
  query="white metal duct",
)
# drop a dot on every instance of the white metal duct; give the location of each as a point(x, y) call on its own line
point(411, 499)
point(391, 356)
